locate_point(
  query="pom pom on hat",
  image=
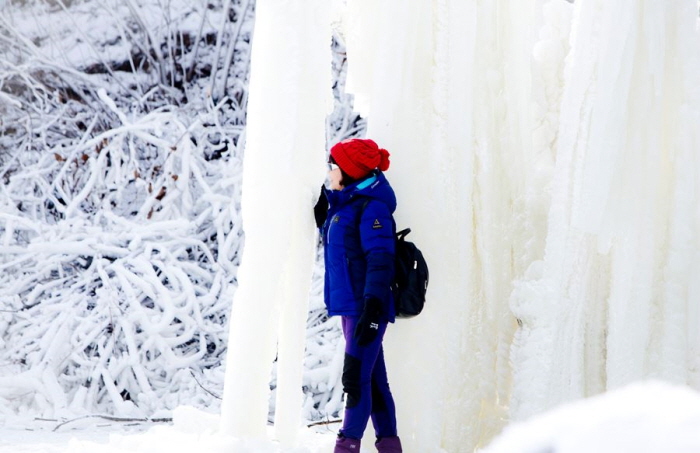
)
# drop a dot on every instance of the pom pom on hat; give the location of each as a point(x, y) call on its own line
point(358, 157)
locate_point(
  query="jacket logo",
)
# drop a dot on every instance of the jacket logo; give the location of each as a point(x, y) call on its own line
point(376, 224)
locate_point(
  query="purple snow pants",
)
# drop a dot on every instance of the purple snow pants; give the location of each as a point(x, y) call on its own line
point(366, 386)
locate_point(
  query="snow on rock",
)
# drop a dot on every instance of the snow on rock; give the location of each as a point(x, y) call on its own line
point(645, 417)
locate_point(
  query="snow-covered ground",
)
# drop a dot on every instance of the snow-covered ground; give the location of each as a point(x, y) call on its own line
point(649, 417)
point(191, 431)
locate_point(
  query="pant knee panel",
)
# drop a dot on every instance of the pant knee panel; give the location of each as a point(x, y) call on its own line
point(352, 369)
point(378, 401)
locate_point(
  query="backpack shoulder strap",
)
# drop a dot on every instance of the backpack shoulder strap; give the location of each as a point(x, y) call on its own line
point(361, 209)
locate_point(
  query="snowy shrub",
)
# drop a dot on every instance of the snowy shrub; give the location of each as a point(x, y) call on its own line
point(120, 255)
point(121, 144)
point(120, 228)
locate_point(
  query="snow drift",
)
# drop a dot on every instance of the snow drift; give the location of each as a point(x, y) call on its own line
point(644, 417)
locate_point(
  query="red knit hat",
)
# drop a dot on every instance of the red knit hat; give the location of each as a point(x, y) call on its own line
point(357, 157)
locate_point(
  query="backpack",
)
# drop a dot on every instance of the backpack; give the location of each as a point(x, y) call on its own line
point(410, 274)
point(410, 278)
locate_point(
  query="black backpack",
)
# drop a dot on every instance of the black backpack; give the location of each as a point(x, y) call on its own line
point(411, 277)
point(410, 274)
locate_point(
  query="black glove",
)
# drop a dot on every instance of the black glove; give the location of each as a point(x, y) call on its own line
point(368, 324)
point(321, 208)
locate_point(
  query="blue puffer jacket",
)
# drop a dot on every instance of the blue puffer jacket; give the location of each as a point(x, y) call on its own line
point(359, 252)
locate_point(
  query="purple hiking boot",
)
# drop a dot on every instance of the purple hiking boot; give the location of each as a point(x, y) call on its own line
point(388, 445)
point(347, 445)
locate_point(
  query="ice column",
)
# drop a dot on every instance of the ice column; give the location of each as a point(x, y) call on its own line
point(283, 168)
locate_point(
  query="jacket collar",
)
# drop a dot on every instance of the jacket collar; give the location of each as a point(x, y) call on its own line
point(375, 186)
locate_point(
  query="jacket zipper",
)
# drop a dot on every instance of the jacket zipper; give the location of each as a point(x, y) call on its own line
point(328, 232)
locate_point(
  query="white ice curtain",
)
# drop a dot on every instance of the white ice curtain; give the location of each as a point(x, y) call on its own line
point(547, 157)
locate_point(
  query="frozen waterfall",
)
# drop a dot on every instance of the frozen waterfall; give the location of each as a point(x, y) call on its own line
point(546, 156)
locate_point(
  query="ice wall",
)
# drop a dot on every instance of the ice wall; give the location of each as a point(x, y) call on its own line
point(546, 159)
point(446, 88)
point(615, 298)
point(289, 95)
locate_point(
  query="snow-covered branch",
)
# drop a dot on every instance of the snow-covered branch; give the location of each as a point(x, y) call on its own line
point(121, 138)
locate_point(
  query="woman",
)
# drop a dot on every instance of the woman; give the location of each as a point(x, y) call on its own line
point(358, 236)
